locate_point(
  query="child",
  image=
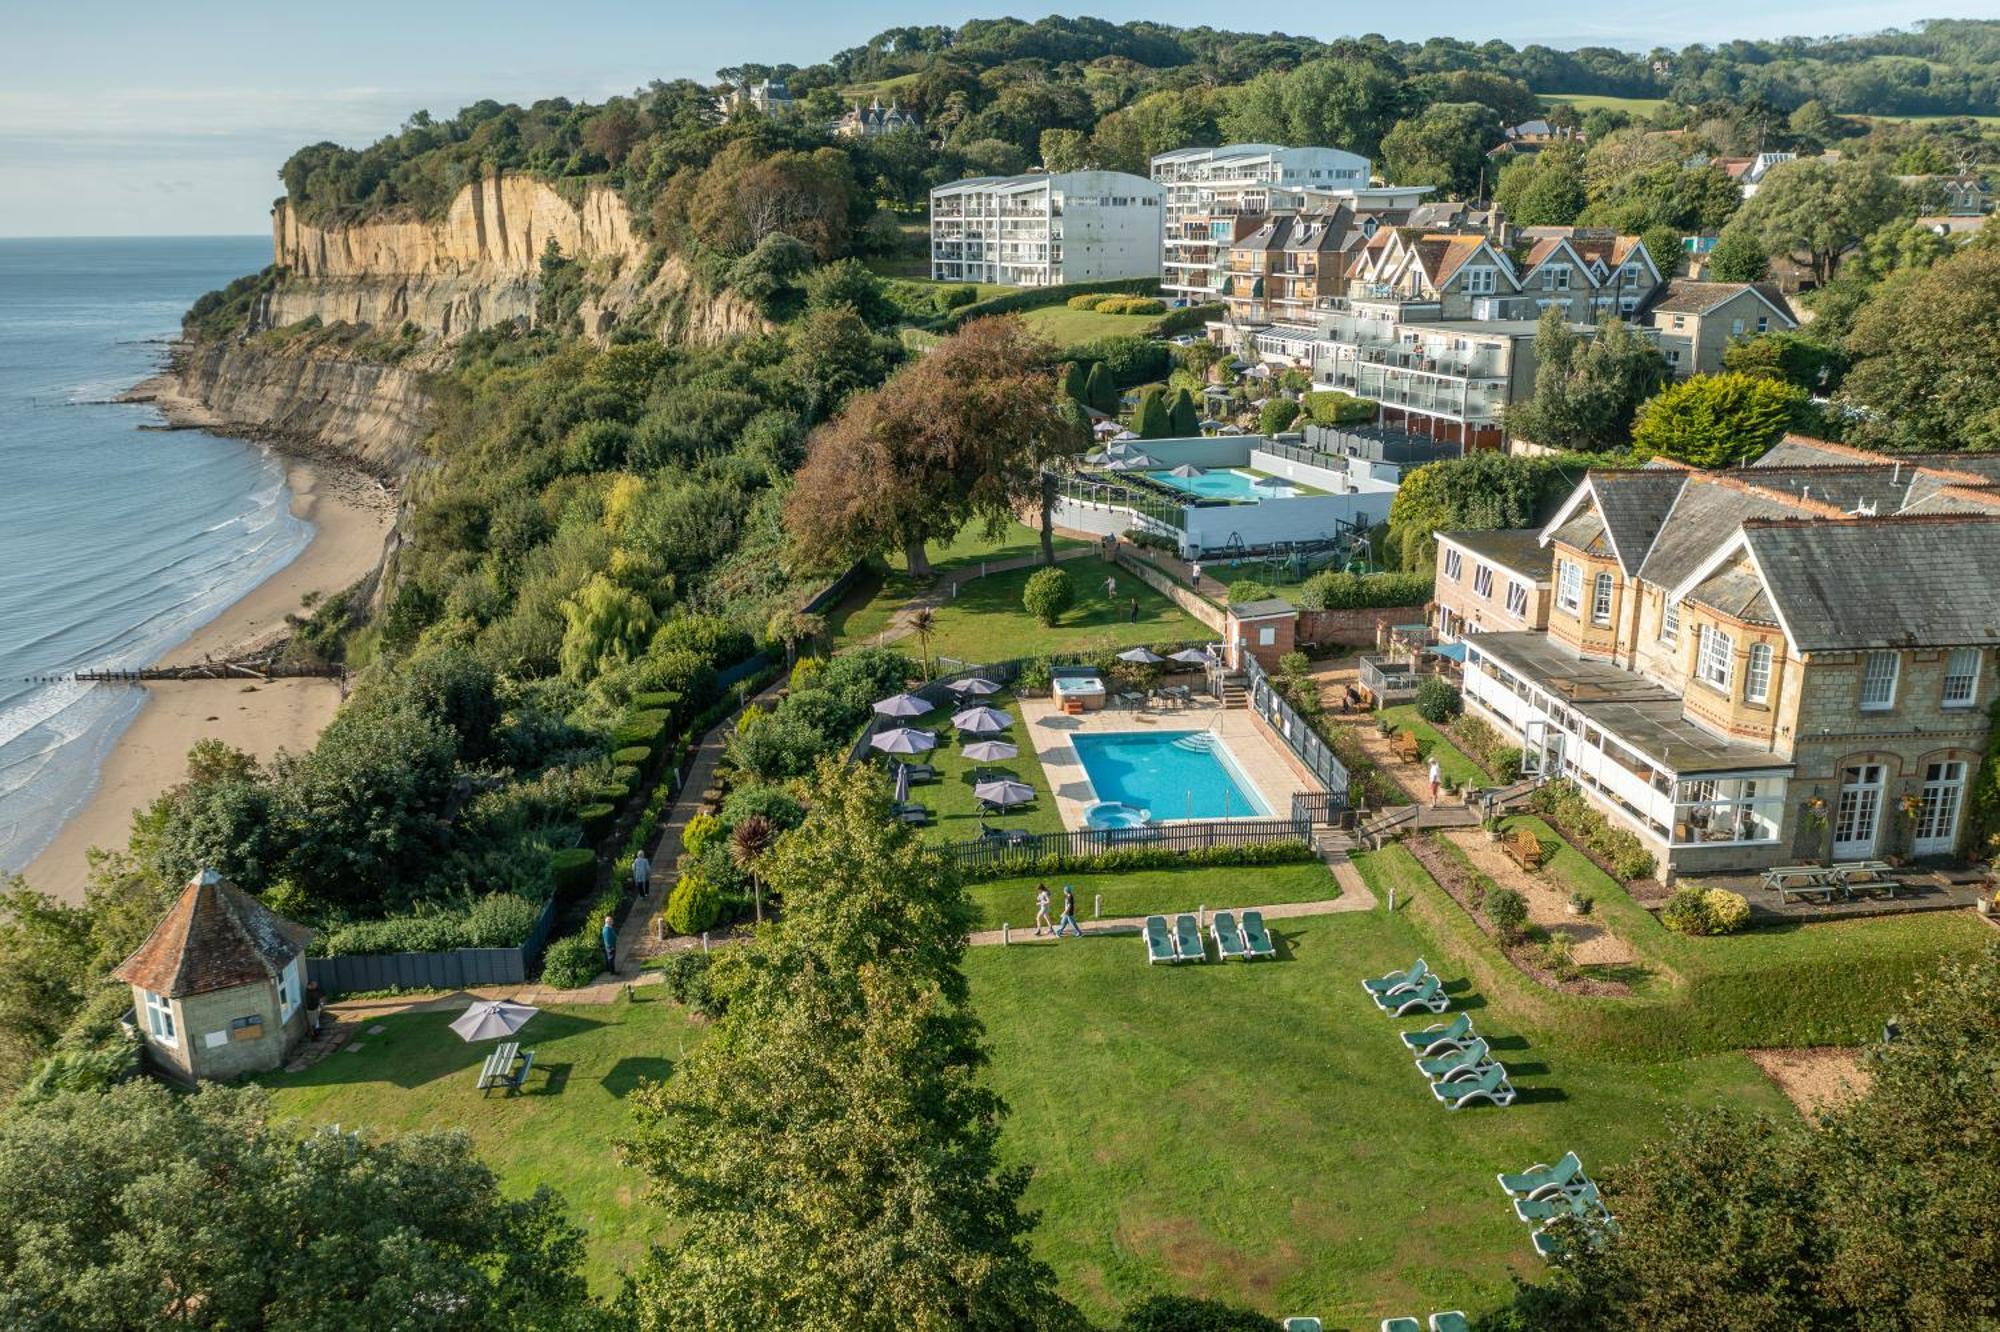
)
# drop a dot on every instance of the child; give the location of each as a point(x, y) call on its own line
point(1041, 909)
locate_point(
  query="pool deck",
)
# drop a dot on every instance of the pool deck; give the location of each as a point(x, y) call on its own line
point(1259, 758)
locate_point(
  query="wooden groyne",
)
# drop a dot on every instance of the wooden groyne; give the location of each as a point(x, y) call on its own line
point(248, 668)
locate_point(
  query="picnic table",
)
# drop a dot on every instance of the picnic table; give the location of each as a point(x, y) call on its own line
point(1821, 881)
point(499, 1068)
point(1868, 874)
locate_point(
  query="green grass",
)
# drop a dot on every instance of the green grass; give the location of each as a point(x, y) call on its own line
point(950, 797)
point(418, 1074)
point(1153, 892)
point(1454, 762)
point(1639, 107)
point(1066, 327)
point(1257, 1133)
point(858, 619)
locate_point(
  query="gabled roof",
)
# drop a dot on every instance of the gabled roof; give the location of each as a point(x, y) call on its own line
point(1737, 592)
point(214, 937)
point(1685, 296)
point(1908, 581)
point(1517, 550)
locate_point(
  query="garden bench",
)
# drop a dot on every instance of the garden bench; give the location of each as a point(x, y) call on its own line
point(498, 1070)
point(1866, 874)
point(1405, 745)
point(1825, 891)
point(1524, 847)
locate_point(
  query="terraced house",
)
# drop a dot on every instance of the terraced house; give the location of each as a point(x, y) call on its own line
point(1786, 661)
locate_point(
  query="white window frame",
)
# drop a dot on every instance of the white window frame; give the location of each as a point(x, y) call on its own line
point(1454, 564)
point(159, 1015)
point(1600, 599)
point(1517, 599)
point(1569, 585)
point(1957, 694)
point(1480, 281)
point(1880, 673)
point(1670, 623)
point(1482, 581)
point(1715, 659)
point(289, 991)
point(1757, 674)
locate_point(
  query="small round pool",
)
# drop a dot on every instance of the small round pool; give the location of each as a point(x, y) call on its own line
point(1108, 814)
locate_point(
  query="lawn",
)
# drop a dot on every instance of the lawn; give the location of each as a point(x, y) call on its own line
point(864, 614)
point(1066, 327)
point(416, 1073)
point(1638, 107)
point(1454, 762)
point(950, 797)
point(1154, 892)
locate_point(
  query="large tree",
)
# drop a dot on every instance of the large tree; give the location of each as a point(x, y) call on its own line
point(828, 1155)
point(1586, 389)
point(1716, 420)
point(1926, 357)
point(1817, 209)
point(1348, 103)
point(961, 434)
point(1480, 490)
point(1445, 145)
point(1546, 190)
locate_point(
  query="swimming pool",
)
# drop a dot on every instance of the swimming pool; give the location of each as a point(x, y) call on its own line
point(1225, 483)
point(1171, 774)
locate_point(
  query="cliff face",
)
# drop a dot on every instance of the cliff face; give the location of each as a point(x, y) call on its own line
point(480, 266)
point(369, 413)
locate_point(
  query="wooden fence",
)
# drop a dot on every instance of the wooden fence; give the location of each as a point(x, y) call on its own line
point(1025, 851)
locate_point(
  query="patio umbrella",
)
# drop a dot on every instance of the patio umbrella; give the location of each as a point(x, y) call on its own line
point(902, 783)
point(1132, 462)
point(1211, 425)
point(991, 751)
point(902, 705)
point(982, 720)
point(1142, 656)
point(492, 1019)
point(1005, 793)
point(1097, 459)
point(1192, 656)
point(1187, 469)
point(1125, 435)
point(1271, 482)
point(903, 740)
point(1106, 428)
point(977, 687)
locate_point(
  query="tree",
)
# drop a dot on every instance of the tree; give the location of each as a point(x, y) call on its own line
point(1048, 593)
point(1926, 355)
point(1819, 209)
point(1065, 150)
point(961, 434)
point(828, 1157)
point(1444, 145)
point(1351, 102)
point(849, 283)
point(749, 842)
point(1076, 381)
point(1481, 491)
point(1545, 190)
point(1183, 417)
point(607, 626)
point(1099, 392)
point(1184, 1313)
point(45, 955)
point(1796, 358)
point(1716, 420)
point(923, 627)
point(1277, 414)
point(1151, 418)
point(1813, 124)
point(1738, 256)
point(1586, 391)
point(142, 1207)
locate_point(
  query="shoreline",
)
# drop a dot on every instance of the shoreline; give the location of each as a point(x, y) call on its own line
point(351, 512)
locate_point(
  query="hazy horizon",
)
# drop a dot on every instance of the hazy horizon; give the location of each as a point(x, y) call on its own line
point(174, 122)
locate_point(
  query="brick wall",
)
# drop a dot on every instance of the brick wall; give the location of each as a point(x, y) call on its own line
point(1199, 607)
point(1355, 628)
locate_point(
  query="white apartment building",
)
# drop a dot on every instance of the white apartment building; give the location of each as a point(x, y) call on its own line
point(1041, 230)
point(1208, 189)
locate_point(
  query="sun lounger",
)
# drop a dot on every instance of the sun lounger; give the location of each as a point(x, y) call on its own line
point(1452, 1320)
point(1401, 1325)
point(1492, 1085)
point(1302, 1325)
point(920, 815)
point(1550, 1247)
point(1159, 944)
point(1397, 980)
point(1539, 1181)
point(1257, 939)
point(1440, 1037)
point(1468, 1061)
point(1187, 939)
point(921, 772)
point(1228, 938)
point(1584, 1202)
point(1429, 997)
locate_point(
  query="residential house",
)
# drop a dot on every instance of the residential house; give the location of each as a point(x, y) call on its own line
point(1531, 137)
point(1491, 582)
point(1042, 230)
point(1751, 667)
point(218, 988)
point(1594, 274)
point(1697, 320)
point(873, 120)
point(1749, 172)
point(767, 96)
point(1208, 192)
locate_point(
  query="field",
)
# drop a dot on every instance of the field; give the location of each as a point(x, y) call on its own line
point(1638, 107)
point(1154, 892)
point(862, 617)
point(1066, 327)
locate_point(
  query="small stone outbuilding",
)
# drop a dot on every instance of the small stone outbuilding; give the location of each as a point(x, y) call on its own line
point(218, 988)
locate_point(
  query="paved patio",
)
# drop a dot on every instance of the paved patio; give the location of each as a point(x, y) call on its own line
point(1916, 890)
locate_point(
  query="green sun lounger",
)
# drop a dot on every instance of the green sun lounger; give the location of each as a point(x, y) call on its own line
point(1491, 1085)
point(1401, 1325)
point(1538, 1181)
point(1229, 940)
point(1159, 944)
point(1187, 940)
point(1440, 1037)
point(1550, 1247)
point(1256, 938)
point(1584, 1203)
point(1452, 1320)
point(1302, 1325)
point(1429, 996)
point(1397, 980)
point(1468, 1061)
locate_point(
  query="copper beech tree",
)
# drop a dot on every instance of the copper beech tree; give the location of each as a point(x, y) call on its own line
point(962, 433)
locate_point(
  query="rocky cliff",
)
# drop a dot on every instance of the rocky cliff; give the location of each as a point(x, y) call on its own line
point(362, 411)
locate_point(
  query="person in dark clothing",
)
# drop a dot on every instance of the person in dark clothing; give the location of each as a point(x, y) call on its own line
point(1135, 610)
point(1068, 921)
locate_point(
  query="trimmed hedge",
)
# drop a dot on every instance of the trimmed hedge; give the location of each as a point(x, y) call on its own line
point(572, 870)
point(1190, 317)
point(1032, 298)
point(573, 961)
point(664, 700)
point(640, 728)
point(497, 920)
point(1287, 852)
point(1336, 589)
point(596, 820)
point(633, 756)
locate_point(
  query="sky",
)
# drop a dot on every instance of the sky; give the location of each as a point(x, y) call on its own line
point(120, 118)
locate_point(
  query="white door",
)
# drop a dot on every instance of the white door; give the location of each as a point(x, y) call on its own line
point(1859, 810)
point(1937, 821)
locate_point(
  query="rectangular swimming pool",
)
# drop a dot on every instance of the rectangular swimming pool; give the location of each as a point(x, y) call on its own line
point(1170, 774)
point(1225, 483)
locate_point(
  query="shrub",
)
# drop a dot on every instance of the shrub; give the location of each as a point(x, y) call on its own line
point(664, 700)
point(1286, 852)
point(1335, 589)
point(1622, 852)
point(1335, 408)
point(641, 728)
point(596, 819)
point(1505, 763)
point(1246, 590)
point(1034, 676)
point(1581, 903)
point(633, 756)
point(79, 1071)
point(573, 961)
point(693, 906)
point(1048, 594)
point(1559, 954)
point(1686, 911)
point(1438, 700)
point(1727, 911)
point(572, 869)
point(1508, 911)
point(496, 920)
point(1088, 301)
point(766, 802)
point(1186, 1313)
point(625, 774)
point(612, 793)
point(701, 830)
point(806, 673)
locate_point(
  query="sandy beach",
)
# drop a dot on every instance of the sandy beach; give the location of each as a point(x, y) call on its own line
point(351, 513)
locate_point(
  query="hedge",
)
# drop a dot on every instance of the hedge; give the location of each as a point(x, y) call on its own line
point(572, 869)
point(1190, 317)
point(497, 920)
point(640, 728)
point(596, 820)
point(1287, 852)
point(634, 756)
point(573, 961)
point(1031, 298)
point(656, 700)
point(1335, 589)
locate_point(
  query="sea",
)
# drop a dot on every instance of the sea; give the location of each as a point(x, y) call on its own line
point(116, 542)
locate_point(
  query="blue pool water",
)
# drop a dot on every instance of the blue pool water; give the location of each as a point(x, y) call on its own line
point(1223, 483)
point(1172, 774)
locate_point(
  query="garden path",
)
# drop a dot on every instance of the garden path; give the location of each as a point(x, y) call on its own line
point(1548, 906)
point(945, 588)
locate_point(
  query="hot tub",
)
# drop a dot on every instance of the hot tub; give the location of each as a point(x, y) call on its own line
point(1087, 690)
point(1108, 815)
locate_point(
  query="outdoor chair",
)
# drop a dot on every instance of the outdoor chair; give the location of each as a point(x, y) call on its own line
point(1257, 939)
point(1302, 1325)
point(1467, 1062)
point(1452, 1320)
point(921, 772)
point(1440, 1037)
point(1228, 938)
point(1159, 944)
point(1428, 996)
point(1584, 1203)
point(1397, 980)
point(1402, 1325)
point(913, 813)
point(1551, 1248)
point(1492, 1085)
point(1187, 939)
point(1538, 1181)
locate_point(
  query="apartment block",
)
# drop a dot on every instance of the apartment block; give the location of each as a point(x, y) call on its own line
point(1213, 196)
point(1041, 230)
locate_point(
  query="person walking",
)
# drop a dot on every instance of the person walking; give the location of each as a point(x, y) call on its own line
point(1068, 921)
point(1194, 575)
point(1110, 587)
point(1042, 925)
point(1436, 774)
point(642, 874)
point(609, 937)
point(1134, 616)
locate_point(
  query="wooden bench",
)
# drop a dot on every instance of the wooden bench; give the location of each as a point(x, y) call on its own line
point(1824, 892)
point(1524, 847)
point(499, 1068)
point(1877, 874)
point(1405, 745)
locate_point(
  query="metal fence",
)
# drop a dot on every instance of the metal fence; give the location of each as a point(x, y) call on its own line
point(1299, 737)
point(1098, 488)
point(1025, 851)
point(1321, 809)
point(452, 969)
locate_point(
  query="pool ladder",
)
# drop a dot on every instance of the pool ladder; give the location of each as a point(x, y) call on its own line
point(1199, 742)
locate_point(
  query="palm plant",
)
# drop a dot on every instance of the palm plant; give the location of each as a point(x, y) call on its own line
point(923, 623)
point(747, 845)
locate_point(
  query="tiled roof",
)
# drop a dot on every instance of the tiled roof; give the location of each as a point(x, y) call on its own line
point(1736, 592)
point(1519, 550)
point(1584, 532)
point(1634, 505)
point(214, 937)
point(1685, 296)
point(1883, 583)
